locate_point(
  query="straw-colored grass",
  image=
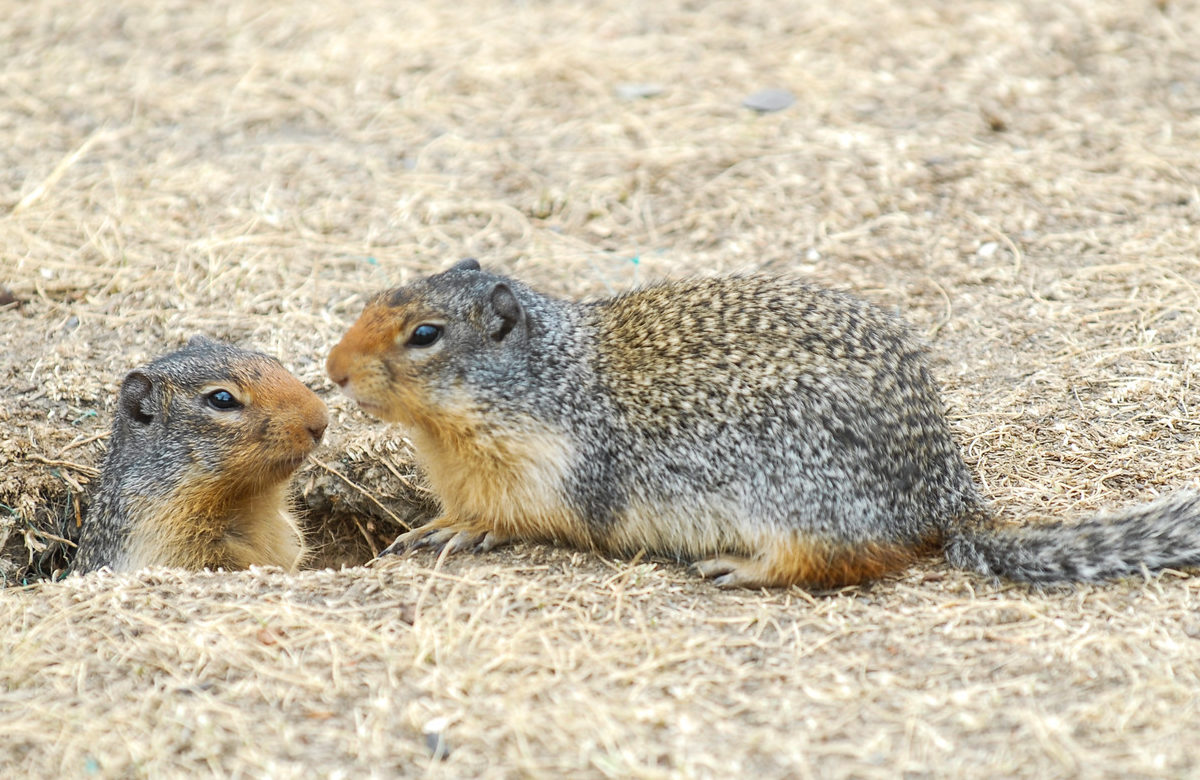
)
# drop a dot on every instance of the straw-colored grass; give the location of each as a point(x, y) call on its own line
point(1019, 179)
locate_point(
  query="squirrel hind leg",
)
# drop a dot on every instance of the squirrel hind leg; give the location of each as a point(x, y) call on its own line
point(807, 562)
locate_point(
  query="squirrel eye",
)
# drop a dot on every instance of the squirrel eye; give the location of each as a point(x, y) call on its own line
point(223, 400)
point(424, 335)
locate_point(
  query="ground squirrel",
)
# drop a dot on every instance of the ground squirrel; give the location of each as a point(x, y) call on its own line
point(203, 445)
point(771, 431)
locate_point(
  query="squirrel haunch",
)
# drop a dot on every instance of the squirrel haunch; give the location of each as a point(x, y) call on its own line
point(203, 446)
point(775, 432)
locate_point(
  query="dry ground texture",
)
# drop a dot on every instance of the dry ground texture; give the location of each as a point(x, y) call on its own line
point(1018, 178)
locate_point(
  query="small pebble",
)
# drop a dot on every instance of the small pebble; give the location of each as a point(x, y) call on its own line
point(435, 739)
point(771, 99)
point(986, 250)
point(637, 91)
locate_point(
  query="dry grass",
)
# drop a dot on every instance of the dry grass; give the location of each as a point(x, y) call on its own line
point(550, 663)
point(1019, 178)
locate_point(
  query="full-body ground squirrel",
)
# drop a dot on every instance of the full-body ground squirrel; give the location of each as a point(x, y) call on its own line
point(771, 431)
point(204, 443)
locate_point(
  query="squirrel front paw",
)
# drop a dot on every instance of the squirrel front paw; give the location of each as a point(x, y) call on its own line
point(449, 536)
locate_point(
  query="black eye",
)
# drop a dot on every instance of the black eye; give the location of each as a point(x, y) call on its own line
point(424, 335)
point(223, 400)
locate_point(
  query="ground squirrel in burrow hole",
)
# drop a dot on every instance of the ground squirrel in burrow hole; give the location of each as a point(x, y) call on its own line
point(772, 432)
point(203, 446)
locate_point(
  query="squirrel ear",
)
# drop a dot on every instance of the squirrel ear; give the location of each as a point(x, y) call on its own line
point(466, 264)
point(507, 308)
point(199, 341)
point(135, 397)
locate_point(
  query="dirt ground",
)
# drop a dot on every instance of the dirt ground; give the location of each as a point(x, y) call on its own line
point(1018, 179)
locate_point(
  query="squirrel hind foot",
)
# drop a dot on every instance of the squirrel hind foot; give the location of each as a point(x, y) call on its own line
point(728, 571)
point(806, 563)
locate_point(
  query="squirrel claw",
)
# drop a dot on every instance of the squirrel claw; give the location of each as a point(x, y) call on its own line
point(395, 548)
point(409, 540)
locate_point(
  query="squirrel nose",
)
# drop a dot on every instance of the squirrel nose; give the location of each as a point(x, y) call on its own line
point(317, 422)
point(335, 367)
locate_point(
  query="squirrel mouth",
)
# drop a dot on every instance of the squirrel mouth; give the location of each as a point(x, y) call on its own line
point(285, 466)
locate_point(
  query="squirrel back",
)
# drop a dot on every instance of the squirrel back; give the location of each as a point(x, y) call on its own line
point(204, 443)
point(773, 431)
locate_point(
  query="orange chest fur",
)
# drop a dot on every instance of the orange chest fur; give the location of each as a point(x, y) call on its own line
point(514, 483)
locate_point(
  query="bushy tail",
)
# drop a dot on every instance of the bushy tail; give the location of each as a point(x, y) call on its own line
point(1164, 534)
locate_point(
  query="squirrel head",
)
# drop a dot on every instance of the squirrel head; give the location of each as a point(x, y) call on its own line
point(215, 419)
point(424, 347)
